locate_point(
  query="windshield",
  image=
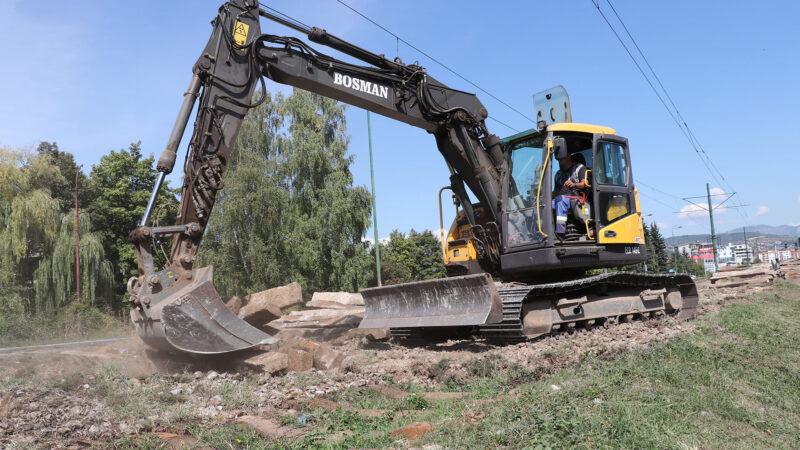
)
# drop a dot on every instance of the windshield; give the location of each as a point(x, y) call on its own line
point(525, 163)
point(525, 166)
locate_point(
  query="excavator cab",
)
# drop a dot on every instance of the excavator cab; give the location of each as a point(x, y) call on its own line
point(604, 226)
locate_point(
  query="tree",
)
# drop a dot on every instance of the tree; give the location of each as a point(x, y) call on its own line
point(62, 188)
point(651, 261)
point(289, 210)
point(120, 186)
point(55, 274)
point(660, 248)
point(29, 219)
point(413, 257)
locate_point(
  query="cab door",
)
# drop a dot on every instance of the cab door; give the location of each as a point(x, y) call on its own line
point(617, 217)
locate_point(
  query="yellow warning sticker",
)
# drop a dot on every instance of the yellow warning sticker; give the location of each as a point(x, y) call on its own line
point(240, 31)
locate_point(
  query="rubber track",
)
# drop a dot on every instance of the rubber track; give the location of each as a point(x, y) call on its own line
point(509, 331)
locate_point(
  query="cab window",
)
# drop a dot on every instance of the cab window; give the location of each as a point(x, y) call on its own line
point(525, 162)
point(611, 167)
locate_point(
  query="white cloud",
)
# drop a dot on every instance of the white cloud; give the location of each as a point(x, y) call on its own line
point(763, 209)
point(662, 225)
point(700, 209)
point(691, 211)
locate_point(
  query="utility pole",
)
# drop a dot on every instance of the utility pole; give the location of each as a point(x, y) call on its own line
point(710, 208)
point(374, 205)
point(77, 241)
point(746, 254)
point(675, 249)
point(713, 234)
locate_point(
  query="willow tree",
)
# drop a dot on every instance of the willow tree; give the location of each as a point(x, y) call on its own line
point(29, 219)
point(55, 276)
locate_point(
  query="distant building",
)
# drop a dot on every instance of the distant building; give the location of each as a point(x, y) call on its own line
point(778, 255)
point(742, 254)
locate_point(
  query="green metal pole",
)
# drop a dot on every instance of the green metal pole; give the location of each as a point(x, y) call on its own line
point(744, 230)
point(674, 251)
point(713, 234)
point(374, 205)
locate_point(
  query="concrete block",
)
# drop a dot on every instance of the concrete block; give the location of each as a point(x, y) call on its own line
point(378, 334)
point(326, 358)
point(234, 303)
point(337, 300)
point(316, 318)
point(300, 360)
point(271, 362)
point(281, 297)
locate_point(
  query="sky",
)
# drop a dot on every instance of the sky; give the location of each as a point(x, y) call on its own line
point(95, 76)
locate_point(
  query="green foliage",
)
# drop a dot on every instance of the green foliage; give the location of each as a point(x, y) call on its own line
point(37, 242)
point(660, 248)
point(62, 187)
point(413, 257)
point(55, 275)
point(289, 210)
point(683, 263)
point(29, 219)
point(120, 186)
point(657, 258)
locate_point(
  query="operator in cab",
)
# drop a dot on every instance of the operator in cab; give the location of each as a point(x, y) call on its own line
point(569, 182)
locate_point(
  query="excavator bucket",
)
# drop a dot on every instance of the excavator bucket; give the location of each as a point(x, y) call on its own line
point(456, 301)
point(189, 316)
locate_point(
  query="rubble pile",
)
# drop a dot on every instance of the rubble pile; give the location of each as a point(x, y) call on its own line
point(756, 275)
point(326, 310)
point(790, 269)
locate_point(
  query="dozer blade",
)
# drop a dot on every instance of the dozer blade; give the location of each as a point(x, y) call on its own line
point(456, 301)
point(191, 317)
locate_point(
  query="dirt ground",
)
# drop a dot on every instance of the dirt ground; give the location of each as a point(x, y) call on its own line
point(73, 385)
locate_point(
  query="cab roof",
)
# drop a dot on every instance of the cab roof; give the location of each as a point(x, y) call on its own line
point(563, 126)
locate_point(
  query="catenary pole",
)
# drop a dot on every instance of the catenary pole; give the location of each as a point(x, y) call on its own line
point(746, 253)
point(374, 204)
point(77, 241)
point(713, 234)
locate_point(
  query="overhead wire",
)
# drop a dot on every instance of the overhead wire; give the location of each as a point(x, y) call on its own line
point(666, 93)
point(642, 183)
point(504, 124)
point(655, 91)
point(655, 199)
point(400, 39)
point(677, 117)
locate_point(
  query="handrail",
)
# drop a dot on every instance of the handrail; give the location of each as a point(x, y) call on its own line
point(539, 189)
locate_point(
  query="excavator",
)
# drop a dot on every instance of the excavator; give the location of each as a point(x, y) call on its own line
point(511, 277)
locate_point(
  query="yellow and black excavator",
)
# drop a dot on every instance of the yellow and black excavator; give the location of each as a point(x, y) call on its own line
point(510, 233)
